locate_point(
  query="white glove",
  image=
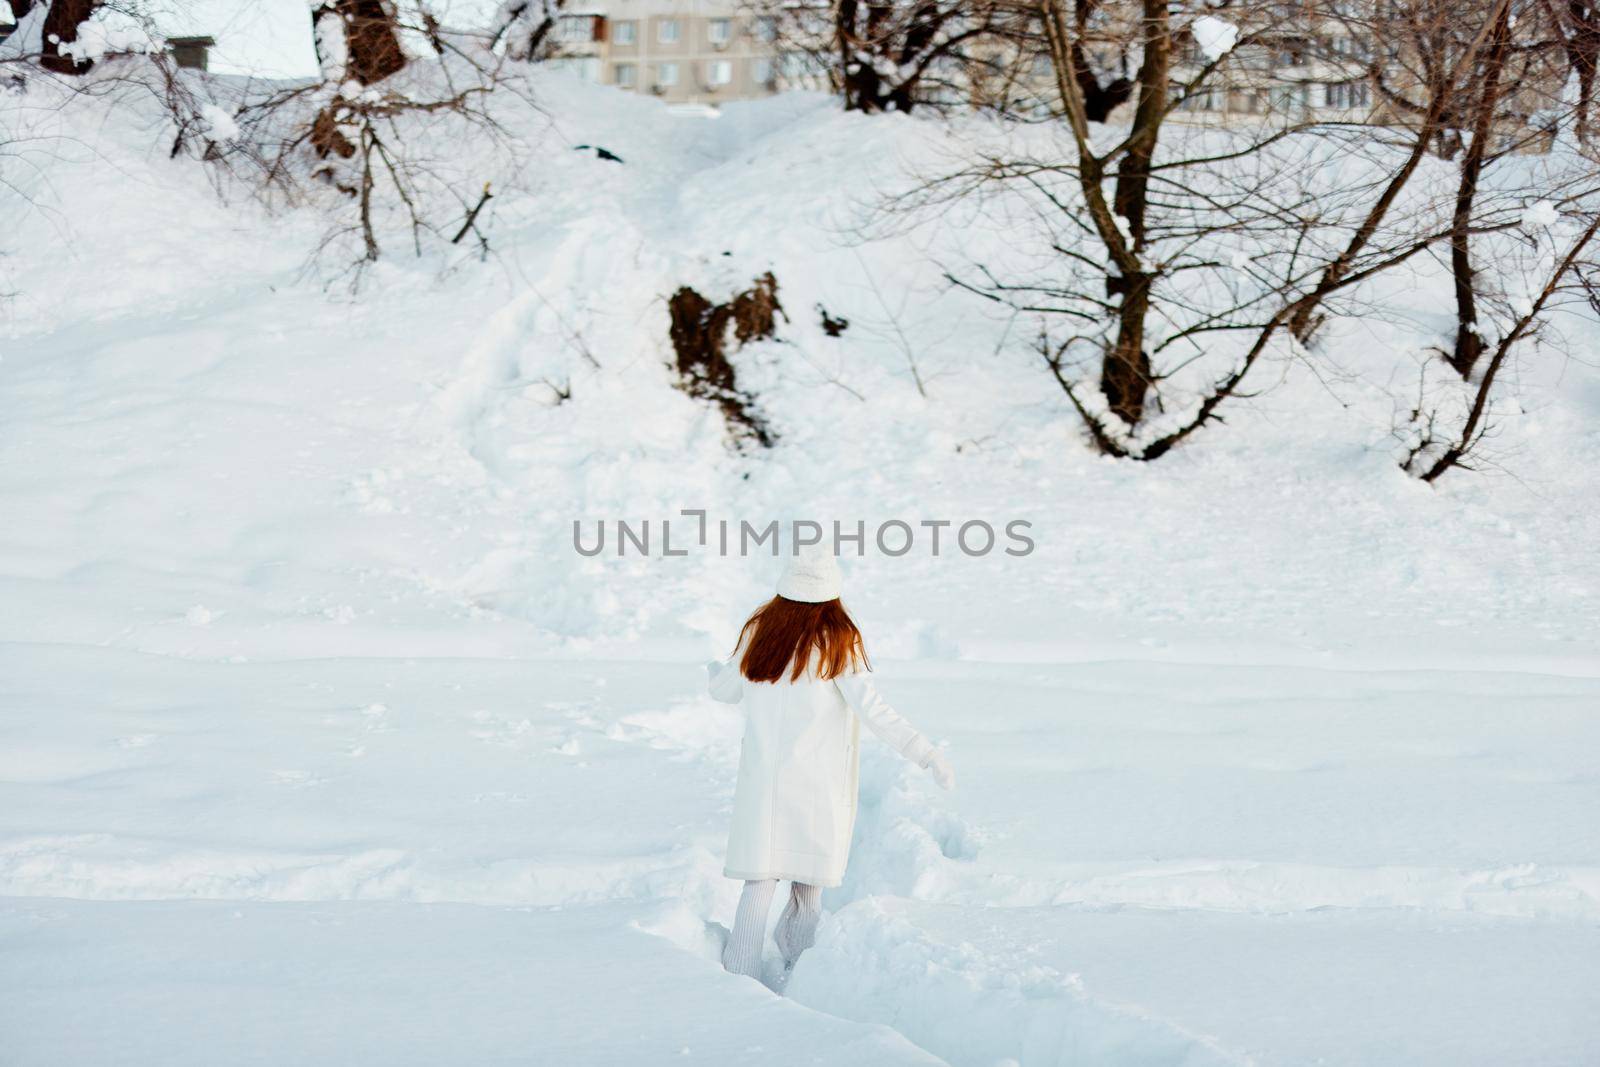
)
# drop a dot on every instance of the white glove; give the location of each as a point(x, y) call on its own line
point(942, 772)
point(713, 668)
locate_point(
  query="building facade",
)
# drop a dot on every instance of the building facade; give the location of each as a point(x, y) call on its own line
point(709, 52)
point(682, 51)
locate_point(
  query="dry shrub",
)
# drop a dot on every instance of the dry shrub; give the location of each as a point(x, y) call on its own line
point(699, 333)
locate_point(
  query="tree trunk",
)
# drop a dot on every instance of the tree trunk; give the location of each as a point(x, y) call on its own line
point(1133, 174)
point(524, 36)
point(921, 38)
point(863, 47)
point(1580, 37)
point(61, 24)
point(1099, 101)
point(1469, 345)
point(1125, 370)
point(371, 38)
point(858, 80)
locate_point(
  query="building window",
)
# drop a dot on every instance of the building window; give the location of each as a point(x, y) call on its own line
point(1288, 97)
point(767, 28)
point(1345, 95)
point(577, 29)
point(666, 74)
point(1244, 101)
point(667, 31)
point(720, 30)
point(761, 70)
point(1350, 47)
point(1252, 58)
point(625, 32)
point(627, 75)
point(719, 72)
point(1290, 52)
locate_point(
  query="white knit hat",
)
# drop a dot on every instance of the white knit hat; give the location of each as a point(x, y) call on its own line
point(811, 577)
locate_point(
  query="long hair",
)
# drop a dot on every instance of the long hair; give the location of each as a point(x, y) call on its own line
point(783, 635)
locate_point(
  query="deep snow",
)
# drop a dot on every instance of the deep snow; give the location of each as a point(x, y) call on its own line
point(319, 742)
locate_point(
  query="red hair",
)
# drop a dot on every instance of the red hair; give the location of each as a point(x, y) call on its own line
point(784, 634)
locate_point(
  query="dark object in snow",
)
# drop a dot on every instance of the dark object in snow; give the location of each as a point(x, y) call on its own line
point(472, 216)
point(191, 52)
point(831, 326)
point(600, 153)
point(62, 21)
point(362, 38)
point(371, 39)
point(699, 334)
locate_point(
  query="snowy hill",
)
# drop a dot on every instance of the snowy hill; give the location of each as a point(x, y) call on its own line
point(1268, 752)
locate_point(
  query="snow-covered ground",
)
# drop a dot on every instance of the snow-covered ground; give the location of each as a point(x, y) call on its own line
point(319, 743)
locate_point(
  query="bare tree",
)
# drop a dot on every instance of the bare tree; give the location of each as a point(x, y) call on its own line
point(999, 70)
point(1533, 221)
point(890, 55)
point(366, 139)
point(396, 86)
point(1177, 243)
point(525, 27)
point(1569, 273)
point(1499, 102)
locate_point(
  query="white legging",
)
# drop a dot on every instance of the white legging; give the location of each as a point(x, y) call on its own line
point(797, 926)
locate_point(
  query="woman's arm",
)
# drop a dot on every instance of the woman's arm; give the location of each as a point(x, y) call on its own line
point(859, 692)
point(724, 682)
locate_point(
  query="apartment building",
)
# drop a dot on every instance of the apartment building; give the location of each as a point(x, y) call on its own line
point(713, 51)
point(1295, 77)
point(1285, 77)
point(708, 52)
point(683, 51)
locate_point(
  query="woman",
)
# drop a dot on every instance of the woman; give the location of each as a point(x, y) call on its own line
point(802, 671)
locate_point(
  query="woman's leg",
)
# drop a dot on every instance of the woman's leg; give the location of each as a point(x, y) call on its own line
point(797, 928)
point(742, 955)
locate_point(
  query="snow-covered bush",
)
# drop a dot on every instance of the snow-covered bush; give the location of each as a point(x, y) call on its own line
point(397, 139)
point(399, 136)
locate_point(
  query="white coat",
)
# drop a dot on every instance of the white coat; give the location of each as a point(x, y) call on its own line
point(794, 807)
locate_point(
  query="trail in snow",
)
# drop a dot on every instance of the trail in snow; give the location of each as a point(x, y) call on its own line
point(947, 980)
point(954, 1001)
